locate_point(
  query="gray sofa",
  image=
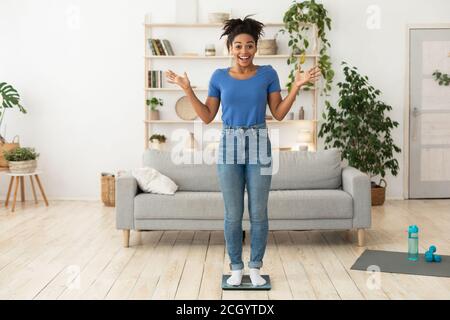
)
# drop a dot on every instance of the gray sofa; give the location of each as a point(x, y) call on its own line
point(311, 190)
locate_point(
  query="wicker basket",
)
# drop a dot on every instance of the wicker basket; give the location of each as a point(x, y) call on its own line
point(27, 166)
point(108, 189)
point(267, 47)
point(378, 193)
point(8, 147)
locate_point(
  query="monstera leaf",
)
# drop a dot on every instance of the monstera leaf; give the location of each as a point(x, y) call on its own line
point(9, 98)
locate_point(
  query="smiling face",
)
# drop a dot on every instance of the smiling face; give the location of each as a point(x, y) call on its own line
point(243, 49)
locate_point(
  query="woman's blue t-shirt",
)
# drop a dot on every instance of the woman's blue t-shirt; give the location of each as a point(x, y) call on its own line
point(244, 101)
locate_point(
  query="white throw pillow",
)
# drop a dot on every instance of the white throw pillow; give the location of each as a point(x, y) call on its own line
point(151, 180)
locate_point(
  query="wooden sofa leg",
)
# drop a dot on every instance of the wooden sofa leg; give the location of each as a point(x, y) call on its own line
point(126, 238)
point(361, 233)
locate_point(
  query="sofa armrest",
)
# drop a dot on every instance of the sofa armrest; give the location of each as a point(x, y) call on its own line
point(126, 191)
point(357, 184)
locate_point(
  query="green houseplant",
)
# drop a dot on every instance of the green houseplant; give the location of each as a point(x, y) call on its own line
point(297, 22)
point(442, 78)
point(360, 129)
point(154, 103)
point(156, 140)
point(22, 160)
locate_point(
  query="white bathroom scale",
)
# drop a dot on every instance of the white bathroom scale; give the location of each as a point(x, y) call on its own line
point(246, 283)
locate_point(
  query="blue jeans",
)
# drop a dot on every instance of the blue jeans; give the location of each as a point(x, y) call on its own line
point(245, 160)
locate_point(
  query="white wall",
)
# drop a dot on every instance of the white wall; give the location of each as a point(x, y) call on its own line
point(82, 82)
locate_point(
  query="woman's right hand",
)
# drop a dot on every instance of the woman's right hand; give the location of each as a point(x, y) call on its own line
point(183, 82)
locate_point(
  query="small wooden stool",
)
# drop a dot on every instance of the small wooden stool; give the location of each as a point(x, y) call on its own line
point(19, 177)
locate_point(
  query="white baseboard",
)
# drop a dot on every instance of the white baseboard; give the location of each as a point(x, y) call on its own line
point(395, 198)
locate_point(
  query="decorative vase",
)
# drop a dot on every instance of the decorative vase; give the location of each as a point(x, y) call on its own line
point(155, 144)
point(27, 166)
point(301, 114)
point(210, 50)
point(154, 114)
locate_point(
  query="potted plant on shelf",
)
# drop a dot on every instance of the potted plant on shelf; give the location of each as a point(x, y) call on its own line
point(297, 22)
point(154, 103)
point(21, 160)
point(156, 141)
point(360, 129)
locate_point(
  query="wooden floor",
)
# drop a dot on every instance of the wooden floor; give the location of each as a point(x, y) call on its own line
point(71, 250)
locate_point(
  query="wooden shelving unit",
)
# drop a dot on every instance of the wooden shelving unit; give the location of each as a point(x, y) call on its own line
point(148, 58)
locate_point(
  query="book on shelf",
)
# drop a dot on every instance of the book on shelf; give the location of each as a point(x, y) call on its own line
point(169, 47)
point(160, 47)
point(155, 79)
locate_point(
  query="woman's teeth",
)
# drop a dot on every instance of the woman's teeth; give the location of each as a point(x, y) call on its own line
point(244, 58)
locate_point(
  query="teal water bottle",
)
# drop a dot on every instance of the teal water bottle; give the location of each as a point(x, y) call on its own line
point(413, 243)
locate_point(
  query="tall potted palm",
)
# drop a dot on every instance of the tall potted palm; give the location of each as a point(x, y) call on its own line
point(361, 130)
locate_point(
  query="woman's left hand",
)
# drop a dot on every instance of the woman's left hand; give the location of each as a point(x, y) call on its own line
point(302, 78)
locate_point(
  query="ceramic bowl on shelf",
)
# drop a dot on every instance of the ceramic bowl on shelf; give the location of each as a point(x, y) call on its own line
point(218, 17)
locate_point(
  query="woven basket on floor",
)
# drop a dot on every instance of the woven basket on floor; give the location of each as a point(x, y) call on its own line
point(108, 190)
point(378, 193)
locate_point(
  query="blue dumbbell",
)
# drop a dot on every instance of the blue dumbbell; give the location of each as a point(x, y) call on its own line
point(429, 256)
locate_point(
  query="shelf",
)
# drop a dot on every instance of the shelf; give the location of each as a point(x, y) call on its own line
point(199, 25)
point(199, 121)
point(269, 56)
point(201, 89)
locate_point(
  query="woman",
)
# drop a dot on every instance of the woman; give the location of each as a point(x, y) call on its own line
point(244, 91)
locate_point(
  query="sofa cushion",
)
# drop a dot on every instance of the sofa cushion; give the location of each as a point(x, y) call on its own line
point(151, 180)
point(283, 204)
point(301, 170)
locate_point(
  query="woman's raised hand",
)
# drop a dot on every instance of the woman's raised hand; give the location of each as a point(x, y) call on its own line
point(182, 81)
point(302, 78)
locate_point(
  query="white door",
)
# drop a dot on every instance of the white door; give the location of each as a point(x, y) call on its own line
point(429, 120)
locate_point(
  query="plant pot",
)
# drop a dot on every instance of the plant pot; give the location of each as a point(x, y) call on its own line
point(154, 114)
point(378, 193)
point(22, 166)
point(155, 144)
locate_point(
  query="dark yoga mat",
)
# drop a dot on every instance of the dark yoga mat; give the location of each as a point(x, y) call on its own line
point(397, 262)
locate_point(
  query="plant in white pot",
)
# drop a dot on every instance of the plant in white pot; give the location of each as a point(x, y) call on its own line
point(157, 140)
point(154, 103)
point(22, 160)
